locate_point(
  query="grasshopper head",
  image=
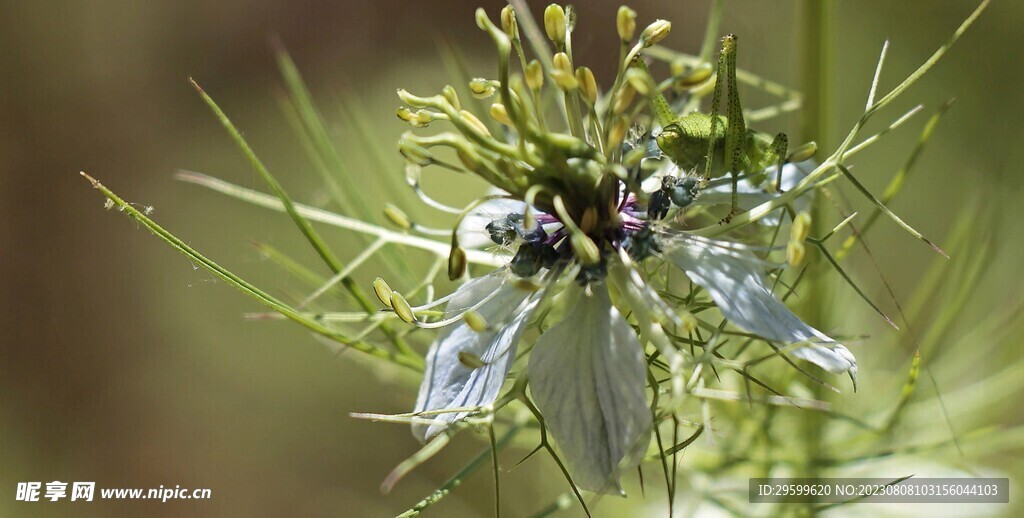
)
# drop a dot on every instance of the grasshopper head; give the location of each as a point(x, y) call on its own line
point(686, 140)
point(671, 140)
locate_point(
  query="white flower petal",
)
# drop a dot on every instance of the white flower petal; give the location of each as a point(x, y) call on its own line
point(750, 195)
point(447, 383)
point(587, 376)
point(653, 182)
point(734, 278)
point(472, 231)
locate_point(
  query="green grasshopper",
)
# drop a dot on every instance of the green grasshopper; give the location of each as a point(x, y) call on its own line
point(720, 144)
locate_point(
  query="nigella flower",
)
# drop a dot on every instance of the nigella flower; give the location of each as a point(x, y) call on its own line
point(612, 284)
point(570, 213)
point(587, 372)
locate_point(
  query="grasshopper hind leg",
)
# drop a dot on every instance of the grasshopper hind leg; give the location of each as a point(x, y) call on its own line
point(736, 129)
point(779, 148)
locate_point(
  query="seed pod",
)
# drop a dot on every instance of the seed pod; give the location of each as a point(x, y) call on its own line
point(655, 32)
point(534, 75)
point(397, 217)
point(456, 263)
point(795, 251)
point(475, 321)
point(554, 23)
point(383, 291)
point(402, 308)
point(625, 22)
point(588, 84)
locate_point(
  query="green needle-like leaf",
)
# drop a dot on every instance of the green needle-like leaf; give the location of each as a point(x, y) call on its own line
point(250, 290)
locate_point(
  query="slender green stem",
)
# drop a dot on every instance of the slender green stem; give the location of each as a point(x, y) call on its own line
point(707, 48)
point(305, 227)
point(819, 58)
point(463, 474)
point(249, 289)
point(337, 220)
point(896, 183)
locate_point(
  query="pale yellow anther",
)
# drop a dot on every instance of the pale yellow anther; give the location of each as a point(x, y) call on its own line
point(470, 360)
point(474, 123)
point(383, 291)
point(655, 32)
point(397, 217)
point(527, 285)
point(414, 153)
point(529, 218)
point(534, 75)
point(801, 227)
point(482, 88)
point(625, 22)
point(500, 114)
point(804, 152)
point(448, 92)
point(508, 22)
point(402, 308)
point(413, 173)
point(404, 113)
point(468, 158)
point(475, 321)
point(623, 98)
point(617, 133)
point(456, 263)
point(562, 73)
point(640, 81)
point(795, 251)
point(689, 322)
point(688, 77)
point(588, 84)
point(585, 248)
point(418, 118)
point(554, 23)
point(589, 220)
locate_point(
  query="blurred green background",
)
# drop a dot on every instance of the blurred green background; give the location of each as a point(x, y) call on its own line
point(123, 364)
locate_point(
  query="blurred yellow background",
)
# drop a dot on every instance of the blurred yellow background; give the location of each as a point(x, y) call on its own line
point(121, 363)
